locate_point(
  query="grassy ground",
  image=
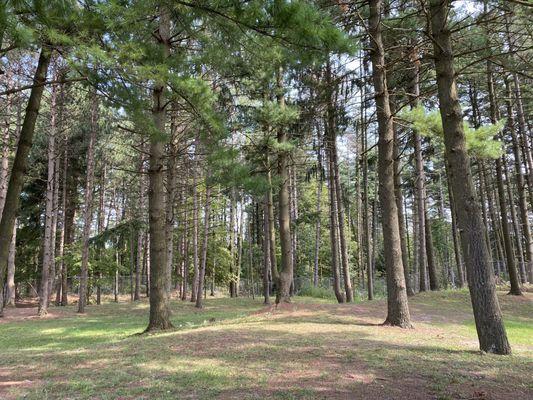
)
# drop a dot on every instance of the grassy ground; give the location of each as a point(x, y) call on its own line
point(238, 349)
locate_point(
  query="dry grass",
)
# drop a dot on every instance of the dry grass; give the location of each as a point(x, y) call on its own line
point(237, 349)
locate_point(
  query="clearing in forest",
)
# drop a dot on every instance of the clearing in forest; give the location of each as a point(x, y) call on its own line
point(238, 349)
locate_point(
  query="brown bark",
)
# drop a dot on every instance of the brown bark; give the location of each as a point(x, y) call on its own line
point(487, 314)
point(18, 170)
point(201, 276)
point(171, 197)
point(397, 305)
point(399, 205)
point(195, 206)
point(333, 229)
point(286, 270)
point(266, 253)
point(231, 247)
point(87, 208)
point(49, 238)
point(521, 186)
point(432, 268)
point(272, 229)
point(159, 307)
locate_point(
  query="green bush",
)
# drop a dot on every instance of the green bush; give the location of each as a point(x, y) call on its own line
point(317, 292)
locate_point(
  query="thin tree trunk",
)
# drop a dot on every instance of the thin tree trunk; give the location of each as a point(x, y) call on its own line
point(286, 271)
point(194, 285)
point(87, 208)
point(342, 230)
point(521, 186)
point(266, 253)
point(49, 239)
point(272, 229)
point(399, 206)
point(397, 304)
point(516, 229)
point(318, 218)
point(170, 219)
point(16, 179)
point(185, 272)
point(10, 287)
point(432, 268)
point(207, 209)
point(140, 233)
point(487, 314)
point(510, 259)
point(231, 247)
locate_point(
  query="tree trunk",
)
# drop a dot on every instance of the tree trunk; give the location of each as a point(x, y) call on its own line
point(487, 314)
point(140, 233)
point(18, 170)
point(87, 208)
point(509, 256)
point(366, 214)
point(185, 256)
point(159, 307)
point(521, 186)
point(207, 208)
point(342, 230)
point(399, 205)
point(397, 305)
point(231, 247)
point(194, 284)
point(333, 229)
point(272, 229)
point(170, 219)
point(49, 239)
point(286, 271)
point(10, 287)
point(432, 268)
point(266, 253)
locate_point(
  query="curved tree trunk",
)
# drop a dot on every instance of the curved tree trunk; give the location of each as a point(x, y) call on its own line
point(20, 162)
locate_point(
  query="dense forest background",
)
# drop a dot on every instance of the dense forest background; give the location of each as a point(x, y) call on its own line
point(355, 149)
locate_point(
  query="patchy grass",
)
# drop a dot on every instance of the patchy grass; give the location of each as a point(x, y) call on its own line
point(238, 349)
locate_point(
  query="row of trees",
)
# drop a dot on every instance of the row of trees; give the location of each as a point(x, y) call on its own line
point(186, 145)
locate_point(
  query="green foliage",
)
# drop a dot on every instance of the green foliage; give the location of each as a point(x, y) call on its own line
point(317, 292)
point(479, 142)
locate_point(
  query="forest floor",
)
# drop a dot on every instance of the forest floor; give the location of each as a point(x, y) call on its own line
point(238, 349)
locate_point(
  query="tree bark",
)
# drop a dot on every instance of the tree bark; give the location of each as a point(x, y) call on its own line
point(87, 208)
point(432, 268)
point(159, 307)
point(20, 162)
point(487, 314)
point(266, 253)
point(399, 206)
point(171, 197)
point(286, 271)
point(333, 229)
point(397, 305)
point(520, 185)
point(49, 238)
point(207, 209)
point(195, 222)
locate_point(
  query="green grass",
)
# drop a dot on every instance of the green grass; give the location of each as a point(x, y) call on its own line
point(235, 348)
